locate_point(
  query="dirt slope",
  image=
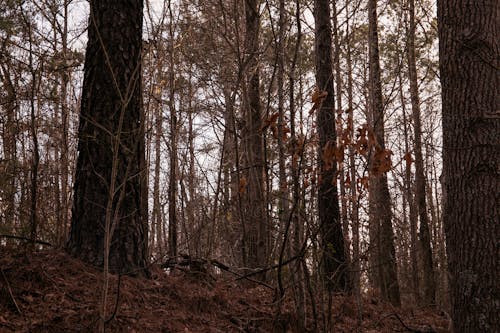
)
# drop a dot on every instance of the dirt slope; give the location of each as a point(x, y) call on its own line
point(51, 292)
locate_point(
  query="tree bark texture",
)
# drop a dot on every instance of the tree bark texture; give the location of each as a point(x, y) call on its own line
point(9, 149)
point(468, 50)
point(111, 136)
point(173, 136)
point(381, 233)
point(334, 259)
point(255, 217)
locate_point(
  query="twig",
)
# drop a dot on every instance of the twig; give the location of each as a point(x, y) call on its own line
point(115, 310)
point(10, 291)
point(27, 239)
point(408, 328)
point(187, 260)
point(58, 288)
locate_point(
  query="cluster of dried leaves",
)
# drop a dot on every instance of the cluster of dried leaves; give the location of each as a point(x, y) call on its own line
point(52, 292)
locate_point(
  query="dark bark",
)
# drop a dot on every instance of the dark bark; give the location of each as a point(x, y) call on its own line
point(172, 178)
point(299, 291)
point(111, 162)
point(334, 263)
point(381, 232)
point(157, 216)
point(256, 251)
point(9, 149)
point(35, 158)
point(468, 57)
point(65, 167)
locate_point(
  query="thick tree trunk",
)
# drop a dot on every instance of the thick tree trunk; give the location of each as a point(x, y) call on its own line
point(468, 50)
point(334, 263)
point(110, 198)
point(381, 235)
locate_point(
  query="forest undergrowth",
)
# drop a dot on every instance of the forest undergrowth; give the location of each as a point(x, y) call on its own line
point(49, 291)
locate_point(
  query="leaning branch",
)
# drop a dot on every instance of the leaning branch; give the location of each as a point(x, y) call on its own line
point(26, 239)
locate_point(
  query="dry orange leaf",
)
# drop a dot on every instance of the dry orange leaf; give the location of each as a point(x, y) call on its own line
point(316, 98)
point(409, 160)
point(243, 184)
point(270, 121)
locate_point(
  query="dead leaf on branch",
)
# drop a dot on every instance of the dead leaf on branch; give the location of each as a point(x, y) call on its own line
point(286, 131)
point(361, 144)
point(347, 181)
point(362, 183)
point(365, 140)
point(316, 98)
point(270, 121)
point(331, 154)
point(372, 139)
point(381, 161)
point(409, 160)
point(243, 184)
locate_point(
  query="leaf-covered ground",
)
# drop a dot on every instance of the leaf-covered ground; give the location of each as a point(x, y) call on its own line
point(51, 292)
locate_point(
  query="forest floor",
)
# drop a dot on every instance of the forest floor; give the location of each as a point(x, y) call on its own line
point(49, 291)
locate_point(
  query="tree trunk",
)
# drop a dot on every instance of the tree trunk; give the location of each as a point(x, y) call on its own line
point(35, 158)
point(429, 283)
point(468, 59)
point(110, 198)
point(412, 216)
point(65, 168)
point(172, 178)
point(284, 198)
point(334, 262)
point(354, 200)
point(256, 241)
point(299, 290)
point(381, 235)
point(157, 216)
point(9, 139)
point(340, 144)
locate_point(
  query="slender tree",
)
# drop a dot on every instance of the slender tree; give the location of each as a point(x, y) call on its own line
point(334, 263)
point(109, 211)
point(256, 228)
point(409, 202)
point(172, 179)
point(469, 62)
point(381, 232)
point(429, 285)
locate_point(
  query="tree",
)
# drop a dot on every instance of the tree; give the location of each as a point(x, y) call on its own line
point(172, 179)
point(429, 284)
point(468, 53)
point(109, 211)
point(334, 258)
point(255, 224)
point(381, 232)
